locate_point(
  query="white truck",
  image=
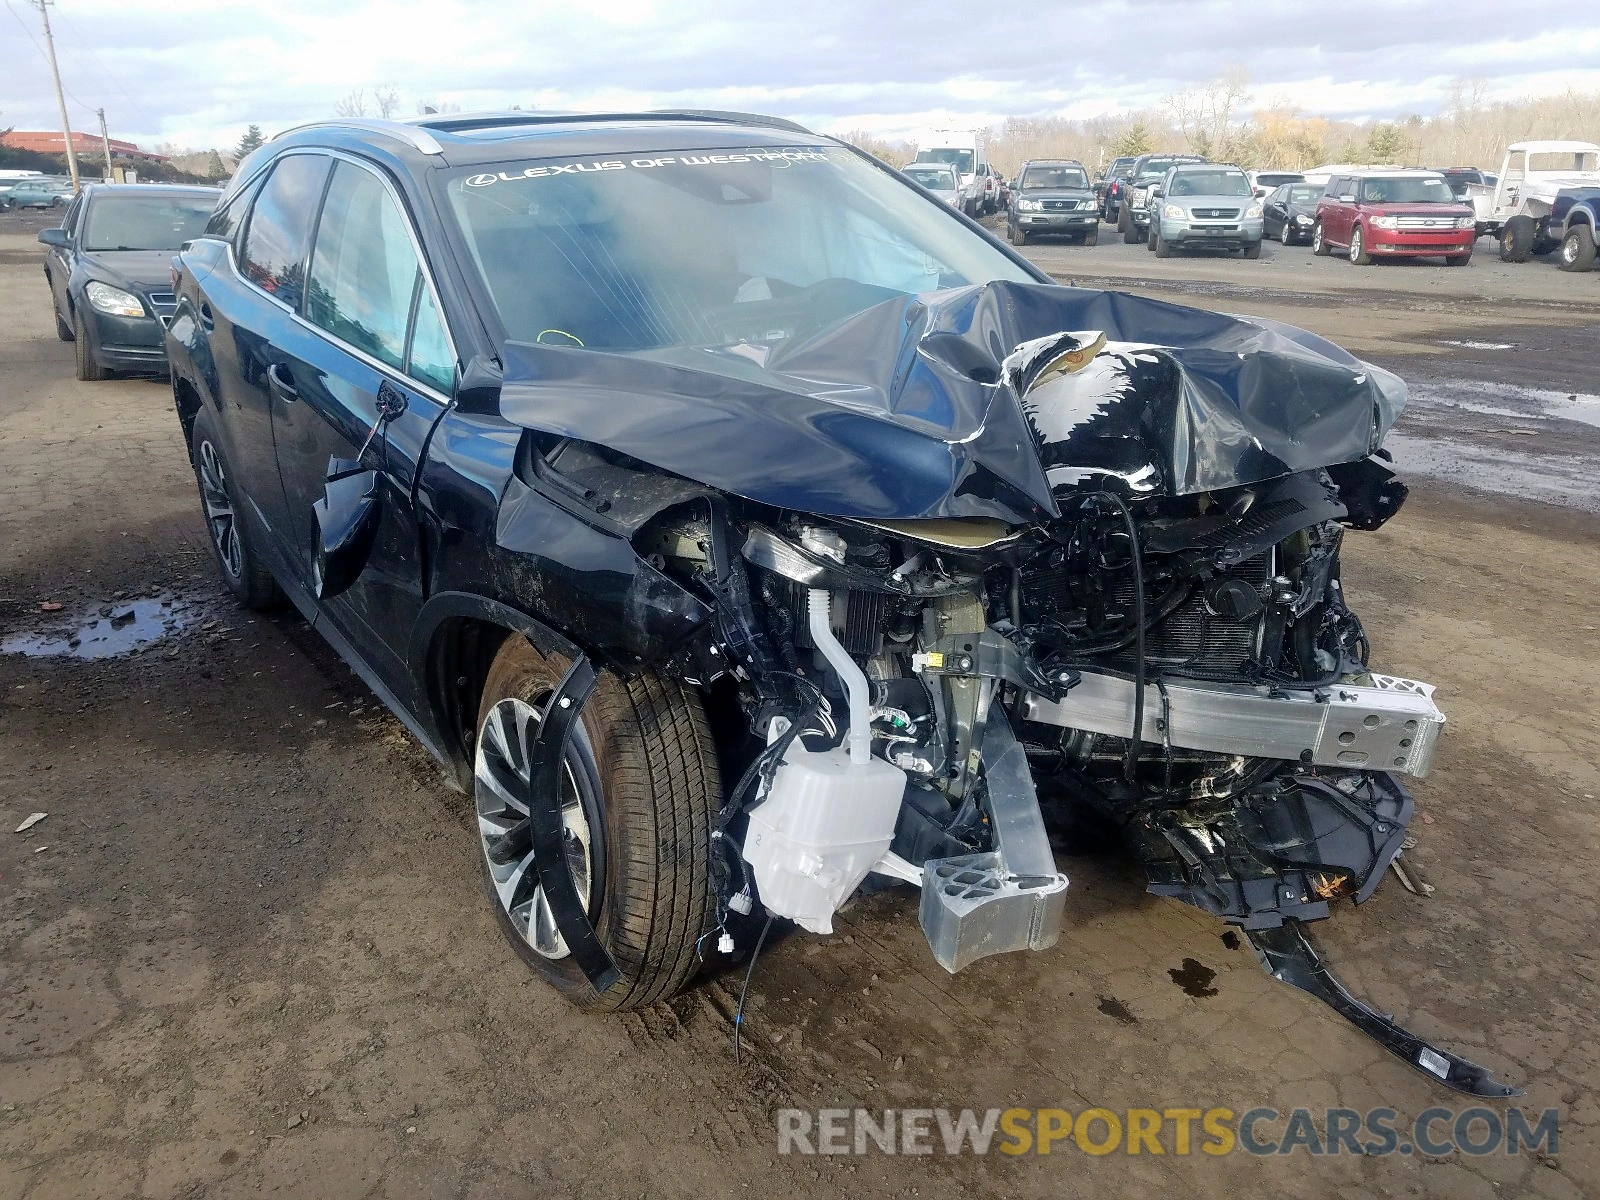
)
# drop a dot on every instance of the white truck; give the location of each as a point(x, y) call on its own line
point(963, 149)
point(1516, 210)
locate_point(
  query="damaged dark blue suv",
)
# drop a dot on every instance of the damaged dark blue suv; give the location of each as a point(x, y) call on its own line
point(734, 521)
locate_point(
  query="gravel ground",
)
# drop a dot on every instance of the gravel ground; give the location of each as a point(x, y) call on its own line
point(247, 950)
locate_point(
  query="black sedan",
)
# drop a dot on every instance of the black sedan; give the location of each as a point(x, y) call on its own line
point(109, 266)
point(1289, 212)
point(1053, 196)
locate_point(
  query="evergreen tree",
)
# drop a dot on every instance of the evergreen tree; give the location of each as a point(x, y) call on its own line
point(253, 139)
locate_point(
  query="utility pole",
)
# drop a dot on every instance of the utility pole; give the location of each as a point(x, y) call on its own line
point(105, 142)
point(61, 99)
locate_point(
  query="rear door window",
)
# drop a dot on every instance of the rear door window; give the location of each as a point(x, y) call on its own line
point(279, 233)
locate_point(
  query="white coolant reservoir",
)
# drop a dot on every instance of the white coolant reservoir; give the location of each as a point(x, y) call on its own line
point(824, 823)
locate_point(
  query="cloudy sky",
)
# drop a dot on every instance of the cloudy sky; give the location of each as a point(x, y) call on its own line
point(195, 73)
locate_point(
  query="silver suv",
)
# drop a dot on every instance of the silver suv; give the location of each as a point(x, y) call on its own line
point(1204, 204)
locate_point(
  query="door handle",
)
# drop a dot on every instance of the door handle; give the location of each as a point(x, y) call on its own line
point(207, 321)
point(279, 379)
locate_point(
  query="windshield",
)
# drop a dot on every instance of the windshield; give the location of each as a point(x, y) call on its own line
point(1054, 177)
point(1155, 168)
point(962, 160)
point(1406, 190)
point(1209, 183)
point(145, 222)
point(709, 248)
point(1308, 194)
point(935, 179)
point(1270, 180)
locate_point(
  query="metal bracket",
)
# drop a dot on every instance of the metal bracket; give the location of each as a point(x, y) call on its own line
point(546, 752)
point(990, 655)
point(1287, 955)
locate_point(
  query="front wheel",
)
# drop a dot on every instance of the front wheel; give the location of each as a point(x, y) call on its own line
point(1092, 238)
point(1456, 260)
point(1319, 245)
point(637, 791)
point(1358, 248)
point(1253, 250)
point(1577, 250)
point(1019, 237)
point(1286, 236)
point(86, 366)
point(1130, 231)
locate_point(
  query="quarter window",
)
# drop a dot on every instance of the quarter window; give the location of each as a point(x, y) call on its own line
point(364, 271)
point(275, 244)
point(431, 360)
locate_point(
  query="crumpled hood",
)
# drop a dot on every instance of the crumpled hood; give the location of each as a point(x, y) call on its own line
point(911, 408)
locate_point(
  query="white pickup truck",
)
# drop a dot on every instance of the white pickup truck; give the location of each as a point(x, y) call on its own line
point(1516, 210)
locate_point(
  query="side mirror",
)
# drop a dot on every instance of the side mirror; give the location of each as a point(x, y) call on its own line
point(1155, 193)
point(53, 236)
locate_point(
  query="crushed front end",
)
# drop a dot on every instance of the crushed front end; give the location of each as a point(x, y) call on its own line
point(1142, 618)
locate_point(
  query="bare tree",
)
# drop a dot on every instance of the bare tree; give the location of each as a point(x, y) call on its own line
point(386, 100)
point(1207, 115)
point(352, 104)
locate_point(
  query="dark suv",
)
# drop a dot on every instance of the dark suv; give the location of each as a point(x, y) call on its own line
point(1133, 216)
point(1108, 188)
point(735, 520)
point(1052, 195)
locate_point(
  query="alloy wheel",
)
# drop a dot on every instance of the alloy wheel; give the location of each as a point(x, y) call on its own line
point(1286, 236)
point(1355, 245)
point(501, 793)
point(219, 511)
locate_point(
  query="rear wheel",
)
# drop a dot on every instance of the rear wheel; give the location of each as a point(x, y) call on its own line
point(87, 367)
point(1358, 248)
point(1577, 250)
point(243, 570)
point(637, 790)
point(1516, 239)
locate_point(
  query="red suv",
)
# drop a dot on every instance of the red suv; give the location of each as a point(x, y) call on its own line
point(1393, 214)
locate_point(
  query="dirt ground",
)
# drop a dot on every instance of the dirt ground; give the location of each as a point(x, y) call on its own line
point(247, 951)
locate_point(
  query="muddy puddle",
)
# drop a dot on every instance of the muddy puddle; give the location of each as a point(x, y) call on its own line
point(105, 630)
point(1533, 443)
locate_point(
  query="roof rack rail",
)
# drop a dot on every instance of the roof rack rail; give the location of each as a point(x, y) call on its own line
point(417, 138)
point(465, 122)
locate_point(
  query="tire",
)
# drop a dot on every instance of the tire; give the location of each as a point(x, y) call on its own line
point(1092, 238)
point(244, 571)
point(1450, 260)
point(1253, 250)
point(1318, 246)
point(65, 332)
point(1163, 249)
point(1019, 237)
point(1516, 239)
point(643, 775)
point(1577, 252)
point(1130, 231)
point(1358, 248)
point(1150, 236)
point(86, 366)
point(1286, 236)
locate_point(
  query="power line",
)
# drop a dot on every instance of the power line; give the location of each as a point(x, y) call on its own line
point(87, 108)
point(111, 75)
